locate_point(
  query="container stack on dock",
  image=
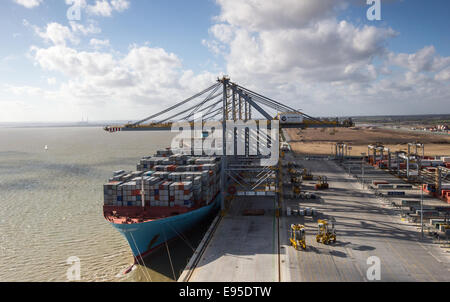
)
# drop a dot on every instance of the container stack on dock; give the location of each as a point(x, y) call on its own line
point(167, 180)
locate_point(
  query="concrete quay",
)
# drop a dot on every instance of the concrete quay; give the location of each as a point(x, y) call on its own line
point(256, 248)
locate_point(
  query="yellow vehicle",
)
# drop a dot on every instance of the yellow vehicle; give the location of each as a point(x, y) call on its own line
point(322, 183)
point(325, 231)
point(296, 189)
point(298, 236)
point(307, 175)
point(296, 180)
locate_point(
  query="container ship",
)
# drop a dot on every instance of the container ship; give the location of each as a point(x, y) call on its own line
point(168, 195)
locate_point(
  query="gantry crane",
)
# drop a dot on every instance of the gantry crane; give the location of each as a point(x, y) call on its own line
point(227, 101)
point(235, 103)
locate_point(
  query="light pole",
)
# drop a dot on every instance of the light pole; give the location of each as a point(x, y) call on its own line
point(421, 208)
point(362, 168)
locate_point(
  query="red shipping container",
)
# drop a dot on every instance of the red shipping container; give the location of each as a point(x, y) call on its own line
point(135, 192)
point(380, 182)
point(164, 185)
point(444, 193)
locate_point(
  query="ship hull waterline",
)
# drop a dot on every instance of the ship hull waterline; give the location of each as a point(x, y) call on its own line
point(146, 237)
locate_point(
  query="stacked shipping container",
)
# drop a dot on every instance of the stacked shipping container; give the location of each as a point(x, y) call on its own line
point(166, 180)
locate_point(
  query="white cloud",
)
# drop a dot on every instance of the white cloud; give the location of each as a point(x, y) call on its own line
point(51, 81)
point(424, 60)
point(72, 63)
point(105, 8)
point(29, 3)
point(101, 8)
point(145, 76)
point(301, 38)
point(327, 51)
point(99, 43)
point(120, 5)
point(24, 90)
point(57, 34)
point(256, 15)
point(85, 30)
point(223, 32)
point(443, 75)
point(299, 52)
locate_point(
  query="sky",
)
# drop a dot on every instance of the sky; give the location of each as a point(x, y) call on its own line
point(68, 60)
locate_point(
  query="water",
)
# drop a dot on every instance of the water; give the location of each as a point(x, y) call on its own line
point(51, 205)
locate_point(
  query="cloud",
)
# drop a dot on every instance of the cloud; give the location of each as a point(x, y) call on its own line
point(85, 30)
point(105, 8)
point(57, 34)
point(96, 43)
point(120, 5)
point(443, 75)
point(72, 63)
point(256, 15)
point(301, 53)
point(29, 3)
point(424, 60)
point(144, 76)
point(24, 90)
point(298, 52)
point(101, 8)
point(300, 38)
point(51, 81)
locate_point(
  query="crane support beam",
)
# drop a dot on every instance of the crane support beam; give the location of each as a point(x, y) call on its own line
point(237, 103)
point(176, 105)
point(256, 106)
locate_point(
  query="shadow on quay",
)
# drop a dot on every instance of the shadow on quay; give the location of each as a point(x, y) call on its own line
point(159, 267)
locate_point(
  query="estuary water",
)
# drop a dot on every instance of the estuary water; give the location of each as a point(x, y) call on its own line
point(51, 205)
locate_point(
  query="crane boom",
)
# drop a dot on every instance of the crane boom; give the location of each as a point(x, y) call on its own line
point(250, 99)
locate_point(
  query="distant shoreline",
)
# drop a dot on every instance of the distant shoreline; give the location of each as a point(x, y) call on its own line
point(375, 120)
point(53, 126)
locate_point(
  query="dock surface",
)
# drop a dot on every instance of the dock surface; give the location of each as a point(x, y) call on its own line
point(243, 248)
point(256, 248)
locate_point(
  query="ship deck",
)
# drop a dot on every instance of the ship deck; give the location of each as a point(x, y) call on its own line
point(129, 215)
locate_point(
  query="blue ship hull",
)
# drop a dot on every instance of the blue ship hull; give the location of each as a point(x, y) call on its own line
point(145, 237)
